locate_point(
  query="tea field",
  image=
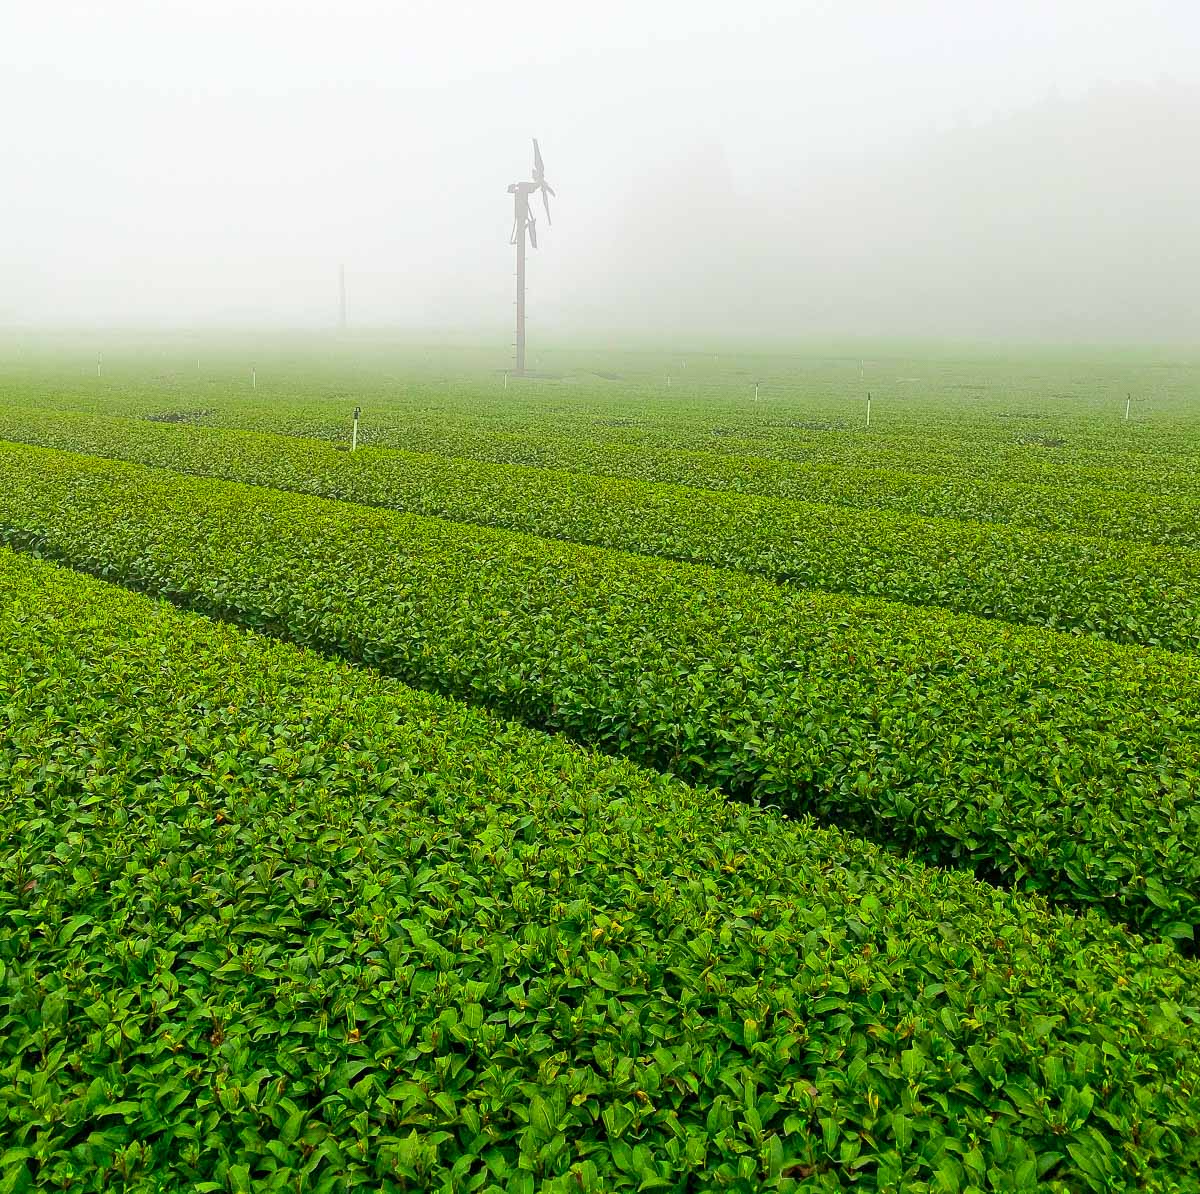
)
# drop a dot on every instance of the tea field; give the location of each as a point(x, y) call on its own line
point(595, 783)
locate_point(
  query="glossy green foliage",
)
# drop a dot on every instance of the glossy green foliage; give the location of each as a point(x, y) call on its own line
point(1036, 439)
point(1059, 764)
point(1127, 592)
point(899, 485)
point(269, 922)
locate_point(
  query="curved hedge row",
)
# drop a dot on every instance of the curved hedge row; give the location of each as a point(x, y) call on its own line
point(1004, 420)
point(1062, 505)
point(1123, 591)
point(270, 923)
point(1061, 764)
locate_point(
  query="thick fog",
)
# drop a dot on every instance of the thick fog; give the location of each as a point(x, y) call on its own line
point(1022, 170)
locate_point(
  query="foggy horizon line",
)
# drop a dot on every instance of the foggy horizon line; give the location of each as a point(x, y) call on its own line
point(595, 339)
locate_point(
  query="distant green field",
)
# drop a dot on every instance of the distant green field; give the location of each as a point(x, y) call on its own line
point(842, 833)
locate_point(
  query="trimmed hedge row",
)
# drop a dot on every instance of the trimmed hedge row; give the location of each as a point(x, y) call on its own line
point(269, 922)
point(1061, 764)
point(1069, 502)
point(1122, 591)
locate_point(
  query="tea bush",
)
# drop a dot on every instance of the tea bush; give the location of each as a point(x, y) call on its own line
point(1054, 763)
point(269, 922)
point(1127, 592)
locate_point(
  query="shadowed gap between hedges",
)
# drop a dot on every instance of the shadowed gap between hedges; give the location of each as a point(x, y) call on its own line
point(33, 543)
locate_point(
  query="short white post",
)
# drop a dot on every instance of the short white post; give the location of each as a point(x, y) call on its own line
point(354, 429)
point(506, 379)
point(253, 378)
point(99, 362)
point(1128, 400)
point(868, 408)
point(756, 391)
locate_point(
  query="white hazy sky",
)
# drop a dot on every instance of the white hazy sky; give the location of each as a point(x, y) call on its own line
point(179, 162)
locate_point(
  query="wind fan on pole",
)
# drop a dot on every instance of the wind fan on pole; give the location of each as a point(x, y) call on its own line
point(525, 223)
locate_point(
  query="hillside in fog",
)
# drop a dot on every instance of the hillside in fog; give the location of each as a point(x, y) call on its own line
point(1068, 218)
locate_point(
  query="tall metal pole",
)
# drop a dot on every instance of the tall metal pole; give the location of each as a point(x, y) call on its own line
point(342, 297)
point(521, 216)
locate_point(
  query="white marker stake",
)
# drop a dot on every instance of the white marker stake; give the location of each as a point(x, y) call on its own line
point(868, 410)
point(1128, 400)
point(99, 362)
point(756, 391)
point(254, 379)
point(506, 379)
point(354, 429)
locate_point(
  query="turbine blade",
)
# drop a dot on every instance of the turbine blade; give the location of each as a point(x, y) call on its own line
point(546, 205)
point(538, 168)
point(533, 233)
